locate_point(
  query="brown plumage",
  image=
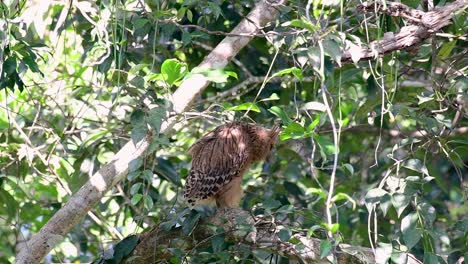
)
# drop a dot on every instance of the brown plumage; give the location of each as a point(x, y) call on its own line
point(221, 157)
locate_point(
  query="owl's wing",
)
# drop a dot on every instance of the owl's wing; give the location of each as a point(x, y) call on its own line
point(217, 159)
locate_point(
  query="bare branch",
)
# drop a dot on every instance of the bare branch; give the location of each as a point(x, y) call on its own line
point(238, 90)
point(221, 33)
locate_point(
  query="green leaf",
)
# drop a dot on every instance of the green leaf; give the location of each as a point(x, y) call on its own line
point(166, 170)
point(295, 241)
point(136, 198)
point(293, 131)
point(124, 248)
point(190, 223)
point(349, 168)
point(332, 49)
point(181, 12)
point(148, 201)
point(317, 191)
point(311, 230)
point(147, 175)
point(343, 196)
point(189, 15)
point(385, 203)
point(139, 23)
point(215, 75)
point(313, 124)
point(134, 165)
point(284, 234)
point(273, 97)
point(443, 120)
point(292, 188)
point(462, 225)
point(301, 23)
point(246, 107)
point(315, 59)
point(411, 3)
point(133, 175)
point(399, 257)
point(156, 117)
point(32, 64)
point(400, 202)
point(293, 70)
point(277, 111)
point(431, 258)
point(8, 201)
point(383, 253)
point(9, 66)
point(423, 98)
point(332, 228)
point(428, 212)
point(446, 49)
point(217, 243)
point(411, 234)
point(95, 136)
point(135, 188)
point(416, 165)
point(367, 107)
point(325, 145)
point(375, 195)
point(167, 226)
point(139, 128)
point(186, 38)
point(272, 204)
point(172, 70)
point(325, 248)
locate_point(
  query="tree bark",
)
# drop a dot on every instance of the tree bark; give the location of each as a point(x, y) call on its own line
point(102, 181)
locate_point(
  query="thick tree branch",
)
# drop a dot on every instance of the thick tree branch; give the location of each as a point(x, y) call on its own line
point(154, 244)
point(420, 26)
point(102, 181)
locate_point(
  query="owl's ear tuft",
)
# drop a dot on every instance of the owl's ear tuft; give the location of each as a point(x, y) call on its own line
point(274, 131)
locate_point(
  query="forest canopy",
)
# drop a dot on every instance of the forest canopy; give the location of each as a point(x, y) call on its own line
point(101, 101)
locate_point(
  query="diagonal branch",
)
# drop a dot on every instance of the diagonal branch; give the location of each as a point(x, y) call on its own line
point(103, 180)
point(420, 27)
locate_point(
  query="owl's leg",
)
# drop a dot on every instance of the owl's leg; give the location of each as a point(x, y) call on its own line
point(210, 202)
point(231, 194)
point(206, 207)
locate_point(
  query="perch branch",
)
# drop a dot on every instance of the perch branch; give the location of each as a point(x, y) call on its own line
point(105, 178)
point(154, 245)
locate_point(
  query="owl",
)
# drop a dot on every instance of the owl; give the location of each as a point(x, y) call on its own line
point(221, 157)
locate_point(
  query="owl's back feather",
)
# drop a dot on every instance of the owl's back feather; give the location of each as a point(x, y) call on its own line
point(221, 156)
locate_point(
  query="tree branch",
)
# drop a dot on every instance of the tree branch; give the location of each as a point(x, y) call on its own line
point(366, 129)
point(102, 181)
point(420, 26)
point(239, 226)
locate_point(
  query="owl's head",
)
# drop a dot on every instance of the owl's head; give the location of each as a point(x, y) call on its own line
point(273, 135)
point(264, 140)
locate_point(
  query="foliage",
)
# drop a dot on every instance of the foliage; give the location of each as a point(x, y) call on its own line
point(79, 79)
